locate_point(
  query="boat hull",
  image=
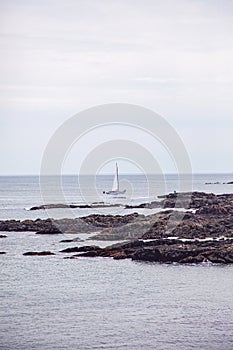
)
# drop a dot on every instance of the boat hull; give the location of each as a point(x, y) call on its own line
point(115, 193)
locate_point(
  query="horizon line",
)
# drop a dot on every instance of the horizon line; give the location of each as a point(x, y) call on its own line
point(122, 173)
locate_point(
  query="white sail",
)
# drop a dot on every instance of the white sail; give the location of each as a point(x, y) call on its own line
point(115, 186)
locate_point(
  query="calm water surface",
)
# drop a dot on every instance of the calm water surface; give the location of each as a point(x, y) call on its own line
point(98, 303)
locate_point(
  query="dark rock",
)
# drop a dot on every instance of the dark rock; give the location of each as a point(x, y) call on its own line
point(103, 221)
point(126, 245)
point(148, 254)
point(73, 206)
point(91, 253)
point(213, 218)
point(80, 249)
point(167, 251)
point(120, 256)
point(221, 257)
point(70, 250)
point(2, 252)
point(151, 205)
point(3, 236)
point(76, 239)
point(71, 257)
point(38, 253)
point(49, 231)
point(214, 209)
point(49, 206)
point(212, 183)
point(192, 260)
point(215, 258)
point(66, 241)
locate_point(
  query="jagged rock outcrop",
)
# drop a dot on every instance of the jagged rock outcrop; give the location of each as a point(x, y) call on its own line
point(88, 224)
point(213, 217)
point(162, 251)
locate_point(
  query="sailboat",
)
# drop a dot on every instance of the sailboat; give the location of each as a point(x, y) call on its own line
point(115, 187)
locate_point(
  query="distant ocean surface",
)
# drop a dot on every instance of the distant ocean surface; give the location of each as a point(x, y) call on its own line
point(50, 303)
point(18, 193)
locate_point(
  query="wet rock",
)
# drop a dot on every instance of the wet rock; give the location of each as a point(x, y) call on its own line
point(151, 205)
point(166, 251)
point(148, 254)
point(50, 206)
point(120, 256)
point(215, 209)
point(189, 253)
point(194, 200)
point(47, 226)
point(212, 183)
point(10, 225)
point(193, 259)
point(91, 254)
point(71, 257)
point(126, 245)
point(38, 253)
point(213, 218)
point(49, 231)
point(80, 249)
point(76, 239)
point(103, 221)
point(130, 230)
point(221, 257)
point(73, 206)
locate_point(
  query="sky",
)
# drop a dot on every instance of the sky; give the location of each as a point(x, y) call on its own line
point(61, 57)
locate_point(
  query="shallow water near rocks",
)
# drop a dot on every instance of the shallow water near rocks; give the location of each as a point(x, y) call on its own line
point(99, 303)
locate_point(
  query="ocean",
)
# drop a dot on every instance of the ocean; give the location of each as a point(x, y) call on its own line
point(98, 303)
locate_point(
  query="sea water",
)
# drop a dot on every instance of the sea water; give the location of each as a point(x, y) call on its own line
point(19, 193)
point(99, 303)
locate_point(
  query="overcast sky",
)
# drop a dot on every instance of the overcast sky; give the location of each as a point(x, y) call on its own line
point(60, 57)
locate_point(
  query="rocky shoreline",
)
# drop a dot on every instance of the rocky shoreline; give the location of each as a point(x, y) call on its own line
point(162, 251)
point(86, 224)
point(156, 237)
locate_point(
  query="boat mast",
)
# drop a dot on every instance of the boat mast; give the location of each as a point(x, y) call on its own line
point(117, 177)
